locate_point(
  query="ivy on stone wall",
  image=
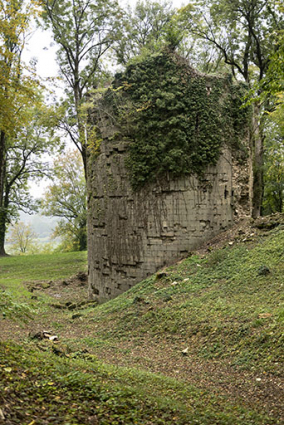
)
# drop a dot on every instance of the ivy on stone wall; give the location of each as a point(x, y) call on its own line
point(178, 119)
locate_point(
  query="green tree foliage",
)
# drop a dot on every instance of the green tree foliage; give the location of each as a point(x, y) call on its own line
point(275, 75)
point(24, 161)
point(84, 31)
point(19, 98)
point(17, 89)
point(242, 32)
point(66, 198)
point(272, 93)
point(273, 84)
point(273, 199)
point(146, 29)
point(177, 119)
point(25, 154)
point(21, 238)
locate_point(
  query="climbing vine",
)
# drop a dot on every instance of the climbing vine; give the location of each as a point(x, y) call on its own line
point(178, 120)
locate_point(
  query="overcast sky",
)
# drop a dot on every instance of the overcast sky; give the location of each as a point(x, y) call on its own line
point(43, 49)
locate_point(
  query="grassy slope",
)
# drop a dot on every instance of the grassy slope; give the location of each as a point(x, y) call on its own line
point(218, 307)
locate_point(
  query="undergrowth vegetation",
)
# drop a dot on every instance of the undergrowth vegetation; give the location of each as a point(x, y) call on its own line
point(224, 309)
point(221, 305)
point(68, 391)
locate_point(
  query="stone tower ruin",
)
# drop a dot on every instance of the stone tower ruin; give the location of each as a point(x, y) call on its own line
point(135, 231)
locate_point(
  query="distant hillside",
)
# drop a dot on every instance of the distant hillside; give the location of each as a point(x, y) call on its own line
point(42, 225)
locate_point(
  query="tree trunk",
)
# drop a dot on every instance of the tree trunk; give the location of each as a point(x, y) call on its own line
point(257, 140)
point(3, 220)
point(2, 166)
point(81, 128)
point(3, 214)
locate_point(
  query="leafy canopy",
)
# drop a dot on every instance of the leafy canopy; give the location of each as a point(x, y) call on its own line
point(17, 88)
point(146, 29)
point(241, 30)
point(66, 198)
point(26, 158)
point(84, 31)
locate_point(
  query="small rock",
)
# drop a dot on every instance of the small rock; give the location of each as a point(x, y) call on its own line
point(174, 283)
point(160, 275)
point(76, 316)
point(43, 335)
point(263, 271)
point(58, 306)
point(138, 300)
point(231, 243)
point(266, 225)
point(264, 315)
point(167, 298)
point(185, 351)
point(36, 335)
point(58, 351)
point(93, 420)
point(45, 285)
point(53, 338)
point(82, 277)
point(186, 280)
point(48, 335)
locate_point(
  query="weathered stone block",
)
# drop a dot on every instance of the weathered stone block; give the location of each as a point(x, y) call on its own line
point(133, 234)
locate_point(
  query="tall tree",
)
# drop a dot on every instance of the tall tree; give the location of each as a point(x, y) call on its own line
point(24, 161)
point(274, 164)
point(273, 90)
point(66, 198)
point(18, 89)
point(273, 84)
point(145, 28)
point(242, 31)
point(84, 31)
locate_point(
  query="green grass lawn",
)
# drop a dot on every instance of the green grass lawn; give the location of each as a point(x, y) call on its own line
point(222, 307)
point(14, 270)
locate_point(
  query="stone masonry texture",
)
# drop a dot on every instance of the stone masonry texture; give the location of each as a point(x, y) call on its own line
point(131, 234)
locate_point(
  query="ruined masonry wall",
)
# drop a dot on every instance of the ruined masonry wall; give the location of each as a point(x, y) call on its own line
point(132, 235)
